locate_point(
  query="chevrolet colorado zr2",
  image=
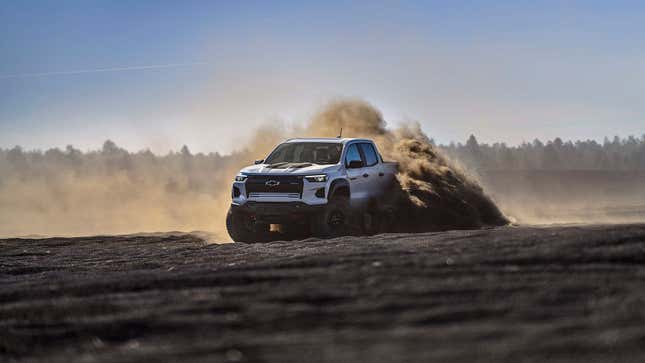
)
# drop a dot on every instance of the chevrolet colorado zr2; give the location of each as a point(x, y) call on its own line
point(325, 186)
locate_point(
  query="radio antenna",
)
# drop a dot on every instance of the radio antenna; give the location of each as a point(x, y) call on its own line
point(340, 134)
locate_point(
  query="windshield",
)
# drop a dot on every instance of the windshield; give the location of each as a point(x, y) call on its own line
point(306, 152)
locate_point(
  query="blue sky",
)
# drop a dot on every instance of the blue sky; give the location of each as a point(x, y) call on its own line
point(504, 71)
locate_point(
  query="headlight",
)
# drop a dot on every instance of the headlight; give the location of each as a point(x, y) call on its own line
point(240, 178)
point(316, 178)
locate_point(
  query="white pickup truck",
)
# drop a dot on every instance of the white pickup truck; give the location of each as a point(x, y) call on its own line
point(325, 185)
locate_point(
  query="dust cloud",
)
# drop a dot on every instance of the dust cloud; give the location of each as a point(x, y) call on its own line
point(568, 196)
point(431, 193)
point(113, 191)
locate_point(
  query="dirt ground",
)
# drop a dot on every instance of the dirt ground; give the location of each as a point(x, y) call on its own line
point(574, 293)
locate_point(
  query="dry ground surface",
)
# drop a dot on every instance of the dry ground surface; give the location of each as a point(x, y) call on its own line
point(574, 293)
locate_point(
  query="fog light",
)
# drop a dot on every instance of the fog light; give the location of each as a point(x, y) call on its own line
point(320, 193)
point(236, 192)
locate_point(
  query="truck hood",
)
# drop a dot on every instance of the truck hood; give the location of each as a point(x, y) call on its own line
point(290, 169)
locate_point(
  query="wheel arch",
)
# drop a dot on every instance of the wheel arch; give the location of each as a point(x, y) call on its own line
point(339, 185)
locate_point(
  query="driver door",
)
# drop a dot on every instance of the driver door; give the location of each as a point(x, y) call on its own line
point(371, 171)
point(357, 183)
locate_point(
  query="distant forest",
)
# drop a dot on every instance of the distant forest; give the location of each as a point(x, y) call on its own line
point(615, 154)
point(178, 171)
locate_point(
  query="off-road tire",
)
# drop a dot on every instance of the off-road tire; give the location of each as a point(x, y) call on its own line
point(242, 229)
point(334, 219)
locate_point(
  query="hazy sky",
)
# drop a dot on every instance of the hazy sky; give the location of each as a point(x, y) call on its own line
point(160, 74)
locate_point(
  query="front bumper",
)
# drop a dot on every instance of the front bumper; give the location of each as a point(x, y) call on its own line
point(309, 194)
point(277, 213)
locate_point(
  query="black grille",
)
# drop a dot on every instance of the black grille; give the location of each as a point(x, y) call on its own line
point(274, 184)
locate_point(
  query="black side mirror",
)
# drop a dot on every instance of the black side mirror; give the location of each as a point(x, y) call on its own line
point(260, 161)
point(355, 164)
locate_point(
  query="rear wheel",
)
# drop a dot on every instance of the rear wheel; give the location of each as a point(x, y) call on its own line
point(333, 221)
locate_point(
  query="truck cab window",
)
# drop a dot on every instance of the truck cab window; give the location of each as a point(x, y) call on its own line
point(370, 155)
point(352, 154)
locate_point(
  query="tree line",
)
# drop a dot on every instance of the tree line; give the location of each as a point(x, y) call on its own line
point(197, 170)
point(176, 171)
point(612, 154)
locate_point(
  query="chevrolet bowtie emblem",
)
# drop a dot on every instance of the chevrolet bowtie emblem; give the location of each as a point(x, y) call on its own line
point(272, 183)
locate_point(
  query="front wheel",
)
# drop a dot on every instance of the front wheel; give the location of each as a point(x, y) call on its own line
point(242, 228)
point(333, 221)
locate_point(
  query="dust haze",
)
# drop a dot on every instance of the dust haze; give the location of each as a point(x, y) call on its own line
point(114, 191)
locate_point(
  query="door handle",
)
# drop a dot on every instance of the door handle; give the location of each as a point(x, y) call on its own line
point(365, 175)
point(380, 174)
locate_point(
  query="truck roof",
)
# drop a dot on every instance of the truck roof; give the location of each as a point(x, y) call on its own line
point(326, 139)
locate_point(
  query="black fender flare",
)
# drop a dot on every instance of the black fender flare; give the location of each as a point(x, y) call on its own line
point(336, 185)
